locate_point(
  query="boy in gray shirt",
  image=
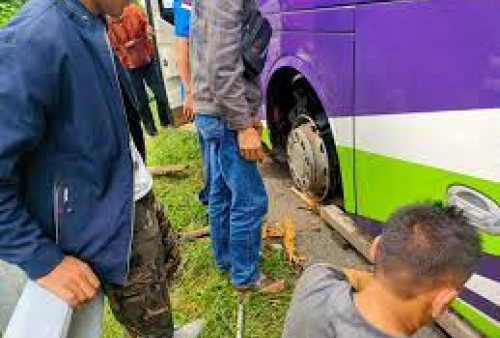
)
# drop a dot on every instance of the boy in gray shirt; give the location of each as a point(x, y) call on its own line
point(423, 258)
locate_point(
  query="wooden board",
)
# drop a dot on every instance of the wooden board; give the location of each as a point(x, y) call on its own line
point(192, 235)
point(168, 170)
point(346, 227)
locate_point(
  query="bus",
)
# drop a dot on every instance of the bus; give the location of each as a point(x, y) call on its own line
point(374, 104)
point(378, 103)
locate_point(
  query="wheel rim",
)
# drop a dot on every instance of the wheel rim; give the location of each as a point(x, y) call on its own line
point(308, 158)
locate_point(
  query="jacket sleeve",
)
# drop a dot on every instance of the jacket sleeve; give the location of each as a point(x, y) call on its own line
point(26, 87)
point(224, 58)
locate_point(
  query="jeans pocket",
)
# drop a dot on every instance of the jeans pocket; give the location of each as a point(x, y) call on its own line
point(210, 127)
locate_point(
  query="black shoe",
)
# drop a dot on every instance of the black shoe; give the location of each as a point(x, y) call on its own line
point(151, 130)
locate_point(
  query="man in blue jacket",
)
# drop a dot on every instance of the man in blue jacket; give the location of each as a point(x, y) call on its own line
point(66, 171)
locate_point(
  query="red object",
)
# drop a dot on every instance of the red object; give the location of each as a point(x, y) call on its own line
point(129, 38)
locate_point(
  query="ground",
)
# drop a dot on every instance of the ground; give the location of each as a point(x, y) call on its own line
point(200, 290)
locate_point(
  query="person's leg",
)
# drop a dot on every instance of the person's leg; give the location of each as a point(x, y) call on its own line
point(142, 304)
point(248, 206)
point(204, 193)
point(134, 124)
point(138, 76)
point(86, 322)
point(153, 79)
point(219, 199)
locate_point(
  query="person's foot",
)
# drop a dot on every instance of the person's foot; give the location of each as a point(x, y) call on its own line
point(165, 124)
point(151, 130)
point(191, 330)
point(165, 117)
point(255, 286)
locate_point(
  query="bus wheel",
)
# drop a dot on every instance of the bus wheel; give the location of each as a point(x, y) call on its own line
point(307, 158)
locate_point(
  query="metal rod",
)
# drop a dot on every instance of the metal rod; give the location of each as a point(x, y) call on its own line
point(241, 316)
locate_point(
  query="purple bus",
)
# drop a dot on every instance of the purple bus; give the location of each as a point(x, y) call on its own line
point(379, 103)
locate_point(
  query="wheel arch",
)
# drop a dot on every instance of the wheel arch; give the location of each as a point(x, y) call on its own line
point(279, 80)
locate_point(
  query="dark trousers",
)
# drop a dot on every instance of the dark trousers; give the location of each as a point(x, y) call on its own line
point(149, 74)
point(142, 304)
point(134, 124)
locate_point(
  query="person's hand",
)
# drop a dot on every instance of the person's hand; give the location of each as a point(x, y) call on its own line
point(187, 110)
point(150, 32)
point(257, 124)
point(250, 144)
point(73, 281)
point(130, 43)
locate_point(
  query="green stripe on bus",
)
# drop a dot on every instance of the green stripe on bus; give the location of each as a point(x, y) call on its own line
point(383, 184)
point(266, 138)
point(484, 325)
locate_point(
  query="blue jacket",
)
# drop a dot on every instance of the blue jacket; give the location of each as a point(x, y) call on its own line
point(66, 176)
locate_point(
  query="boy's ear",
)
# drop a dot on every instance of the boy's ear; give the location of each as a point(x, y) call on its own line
point(442, 301)
point(374, 249)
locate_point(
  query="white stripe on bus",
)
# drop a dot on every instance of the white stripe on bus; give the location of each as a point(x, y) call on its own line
point(485, 287)
point(465, 141)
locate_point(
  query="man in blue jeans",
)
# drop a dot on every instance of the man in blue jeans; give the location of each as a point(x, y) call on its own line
point(224, 103)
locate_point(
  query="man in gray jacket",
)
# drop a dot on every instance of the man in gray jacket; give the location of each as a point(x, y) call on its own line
point(224, 104)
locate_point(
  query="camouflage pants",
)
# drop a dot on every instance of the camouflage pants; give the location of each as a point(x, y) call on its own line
point(142, 304)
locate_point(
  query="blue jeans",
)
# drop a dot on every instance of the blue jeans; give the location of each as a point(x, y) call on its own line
point(237, 201)
point(149, 74)
point(205, 191)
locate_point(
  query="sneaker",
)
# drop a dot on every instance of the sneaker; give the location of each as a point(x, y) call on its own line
point(165, 124)
point(191, 330)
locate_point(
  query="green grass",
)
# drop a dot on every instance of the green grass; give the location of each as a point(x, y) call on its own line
point(200, 290)
point(8, 8)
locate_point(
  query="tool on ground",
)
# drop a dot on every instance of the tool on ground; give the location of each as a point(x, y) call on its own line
point(241, 316)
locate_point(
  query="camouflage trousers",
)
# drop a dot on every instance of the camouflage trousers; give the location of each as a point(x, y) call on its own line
point(142, 304)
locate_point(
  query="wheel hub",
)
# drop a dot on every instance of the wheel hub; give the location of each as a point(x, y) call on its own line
point(308, 159)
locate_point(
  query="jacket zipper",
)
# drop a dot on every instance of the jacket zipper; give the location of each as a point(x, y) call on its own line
point(57, 210)
point(132, 213)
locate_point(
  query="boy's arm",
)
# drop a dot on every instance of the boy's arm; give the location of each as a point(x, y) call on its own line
point(27, 87)
point(224, 58)
point(22, 124)
point(185, 74)
point(227, 74)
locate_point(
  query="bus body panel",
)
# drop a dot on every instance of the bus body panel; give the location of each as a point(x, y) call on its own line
point(334, 20)
point(288, 5)
point(269, 6)
point(419, 114)
point(426, 56)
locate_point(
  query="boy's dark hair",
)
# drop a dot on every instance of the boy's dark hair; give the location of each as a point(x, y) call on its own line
point(427, 244)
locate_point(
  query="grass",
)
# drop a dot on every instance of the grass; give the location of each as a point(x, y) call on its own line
point(201, 291)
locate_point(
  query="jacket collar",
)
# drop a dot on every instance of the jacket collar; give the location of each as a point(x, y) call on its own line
point(81, 13)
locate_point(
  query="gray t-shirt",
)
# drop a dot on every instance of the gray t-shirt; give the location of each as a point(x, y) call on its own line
point(323, 307)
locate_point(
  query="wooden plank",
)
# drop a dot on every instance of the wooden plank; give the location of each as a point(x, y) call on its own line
point(311, 202)
point(192, 235)
point(168, 170)
point(344, 225)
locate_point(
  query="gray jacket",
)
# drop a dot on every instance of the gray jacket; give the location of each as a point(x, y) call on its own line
point(219, 87)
